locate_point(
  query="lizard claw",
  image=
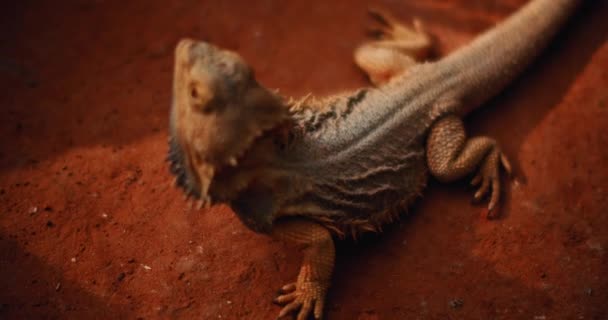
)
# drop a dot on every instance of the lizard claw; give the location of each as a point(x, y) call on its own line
point(506, 164)
point(382, 17)
point(389, 27)
point(488, 178)
point(288, 288)
point(304, 298)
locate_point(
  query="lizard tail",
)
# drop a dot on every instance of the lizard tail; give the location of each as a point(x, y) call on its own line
point(500, 54)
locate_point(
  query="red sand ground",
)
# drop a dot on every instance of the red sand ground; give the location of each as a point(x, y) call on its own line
point(90, 227)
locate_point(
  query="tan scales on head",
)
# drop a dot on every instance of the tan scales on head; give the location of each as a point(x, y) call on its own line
point(218, 110)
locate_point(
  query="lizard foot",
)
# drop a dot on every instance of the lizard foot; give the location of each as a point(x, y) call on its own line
point(306, 297)
point(397, 48)
point(488, 177)
point(390, 28)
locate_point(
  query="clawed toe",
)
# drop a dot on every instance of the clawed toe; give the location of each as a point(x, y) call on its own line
point(303, 300)
point(288, 288)
point(483, 188)
point(381, 16)
point(389, 27)
point(418, 25)
point(488, 178)
point(289, 308)
point(506, 164)
point(285, 298)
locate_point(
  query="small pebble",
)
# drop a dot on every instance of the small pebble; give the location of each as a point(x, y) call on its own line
point(32, 210)
point(73, 259)
point(456, 303)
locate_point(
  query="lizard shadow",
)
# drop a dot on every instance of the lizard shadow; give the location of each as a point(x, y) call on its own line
point(422, 267)
point(31, 289)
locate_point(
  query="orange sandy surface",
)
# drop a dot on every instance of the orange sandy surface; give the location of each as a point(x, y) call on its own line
point(90, 227)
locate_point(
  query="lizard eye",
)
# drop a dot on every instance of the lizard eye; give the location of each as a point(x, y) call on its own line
point(202, 100)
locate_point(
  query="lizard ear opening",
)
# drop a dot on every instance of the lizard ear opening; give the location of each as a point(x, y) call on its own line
point(268, 109)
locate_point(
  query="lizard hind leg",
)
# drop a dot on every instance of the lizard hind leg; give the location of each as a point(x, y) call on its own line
point(398, 48)
point(306, 296)
point(451, 156)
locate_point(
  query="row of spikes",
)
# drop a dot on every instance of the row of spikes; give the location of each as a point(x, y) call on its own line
point(176, 167)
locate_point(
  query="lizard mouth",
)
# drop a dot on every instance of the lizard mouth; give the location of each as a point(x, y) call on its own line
point(202, 178)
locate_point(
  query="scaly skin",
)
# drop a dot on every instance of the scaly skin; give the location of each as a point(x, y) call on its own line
point(310, 169)
point(308, 292)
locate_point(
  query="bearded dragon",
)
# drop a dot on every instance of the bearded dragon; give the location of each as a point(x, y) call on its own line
point(314, 169)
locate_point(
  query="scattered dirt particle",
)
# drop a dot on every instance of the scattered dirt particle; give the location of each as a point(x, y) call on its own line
point(50, 224)
point(121, 276)
point(456, 303)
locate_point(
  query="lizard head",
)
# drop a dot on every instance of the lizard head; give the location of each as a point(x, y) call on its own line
point(218, 112)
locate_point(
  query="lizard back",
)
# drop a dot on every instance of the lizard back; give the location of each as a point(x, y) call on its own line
point(362, 155)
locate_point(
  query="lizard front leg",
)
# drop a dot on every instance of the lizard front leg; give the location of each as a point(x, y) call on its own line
point(307, 294)
point(450, 156)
